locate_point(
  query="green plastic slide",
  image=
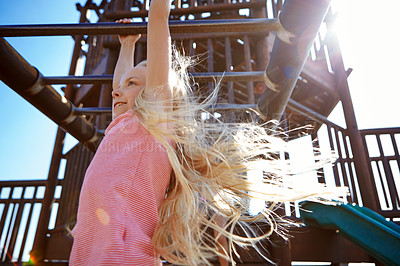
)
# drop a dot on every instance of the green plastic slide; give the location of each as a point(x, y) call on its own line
point(362, 226)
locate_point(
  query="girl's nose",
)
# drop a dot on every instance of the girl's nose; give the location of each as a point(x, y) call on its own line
point(116, 93)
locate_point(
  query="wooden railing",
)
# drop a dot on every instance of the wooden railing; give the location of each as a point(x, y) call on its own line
point(383, 149)
point(344, 173)
point(20, 204)
point(21, 201)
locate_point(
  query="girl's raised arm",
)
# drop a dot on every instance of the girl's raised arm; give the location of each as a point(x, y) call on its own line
point(158, 52)
point(126, 54)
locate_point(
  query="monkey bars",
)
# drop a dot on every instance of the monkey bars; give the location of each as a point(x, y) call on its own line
point(112, 28)
point(303, 19)
point(296, 27)
point(24, 79)
point(119, 14)
point(107, 79)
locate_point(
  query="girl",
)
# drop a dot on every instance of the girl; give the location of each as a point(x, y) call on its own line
point(128, 177)
point(126, 215)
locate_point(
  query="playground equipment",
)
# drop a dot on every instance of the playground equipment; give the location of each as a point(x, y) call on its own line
point(361, 225)
point(282, 60)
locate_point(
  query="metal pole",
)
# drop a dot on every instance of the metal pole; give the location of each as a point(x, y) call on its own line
point(209, 76)
point(302, 18)
point(190, 10)
point(307, 112)
point(112, 28)
point(24, 79)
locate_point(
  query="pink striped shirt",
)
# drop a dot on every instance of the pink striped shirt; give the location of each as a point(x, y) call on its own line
point(123, 188)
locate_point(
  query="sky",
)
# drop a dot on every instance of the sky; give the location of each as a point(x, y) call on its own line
point(366, 29)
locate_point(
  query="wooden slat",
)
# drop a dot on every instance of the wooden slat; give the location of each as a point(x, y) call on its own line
point(247, 60)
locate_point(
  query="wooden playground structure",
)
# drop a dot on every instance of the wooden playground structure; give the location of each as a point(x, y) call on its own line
point(280, 59)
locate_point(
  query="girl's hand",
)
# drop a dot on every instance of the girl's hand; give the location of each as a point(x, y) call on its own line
point(126, 54)
point(127, 38)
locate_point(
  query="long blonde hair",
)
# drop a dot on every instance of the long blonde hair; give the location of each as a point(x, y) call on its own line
point(210, 161)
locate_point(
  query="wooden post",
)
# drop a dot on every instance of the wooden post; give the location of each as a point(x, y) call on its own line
point(365, 180)
point(39, 245)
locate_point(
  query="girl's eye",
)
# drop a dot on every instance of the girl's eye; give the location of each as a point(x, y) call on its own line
point(130, 83)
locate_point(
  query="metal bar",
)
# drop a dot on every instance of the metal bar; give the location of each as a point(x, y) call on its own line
point(92, 110)
point(107, 110)
point(298, 107)
point(389, 158)
point(17, 201)
point(388, 130)
point(303, 19)
point(23, 78)
point(190, 10)
point(232, 107)
point(202, 36)
point(27, 183)
point(210, 76)
point(112, 28)
point(292, 104)
point(87, 79)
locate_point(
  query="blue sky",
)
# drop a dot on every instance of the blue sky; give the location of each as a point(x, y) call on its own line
point(27, 136)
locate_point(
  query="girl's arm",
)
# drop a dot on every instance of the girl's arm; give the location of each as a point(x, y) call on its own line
point(158, 52)
point(126, 54)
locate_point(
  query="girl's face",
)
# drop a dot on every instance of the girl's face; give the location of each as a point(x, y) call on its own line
point(132, 82)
